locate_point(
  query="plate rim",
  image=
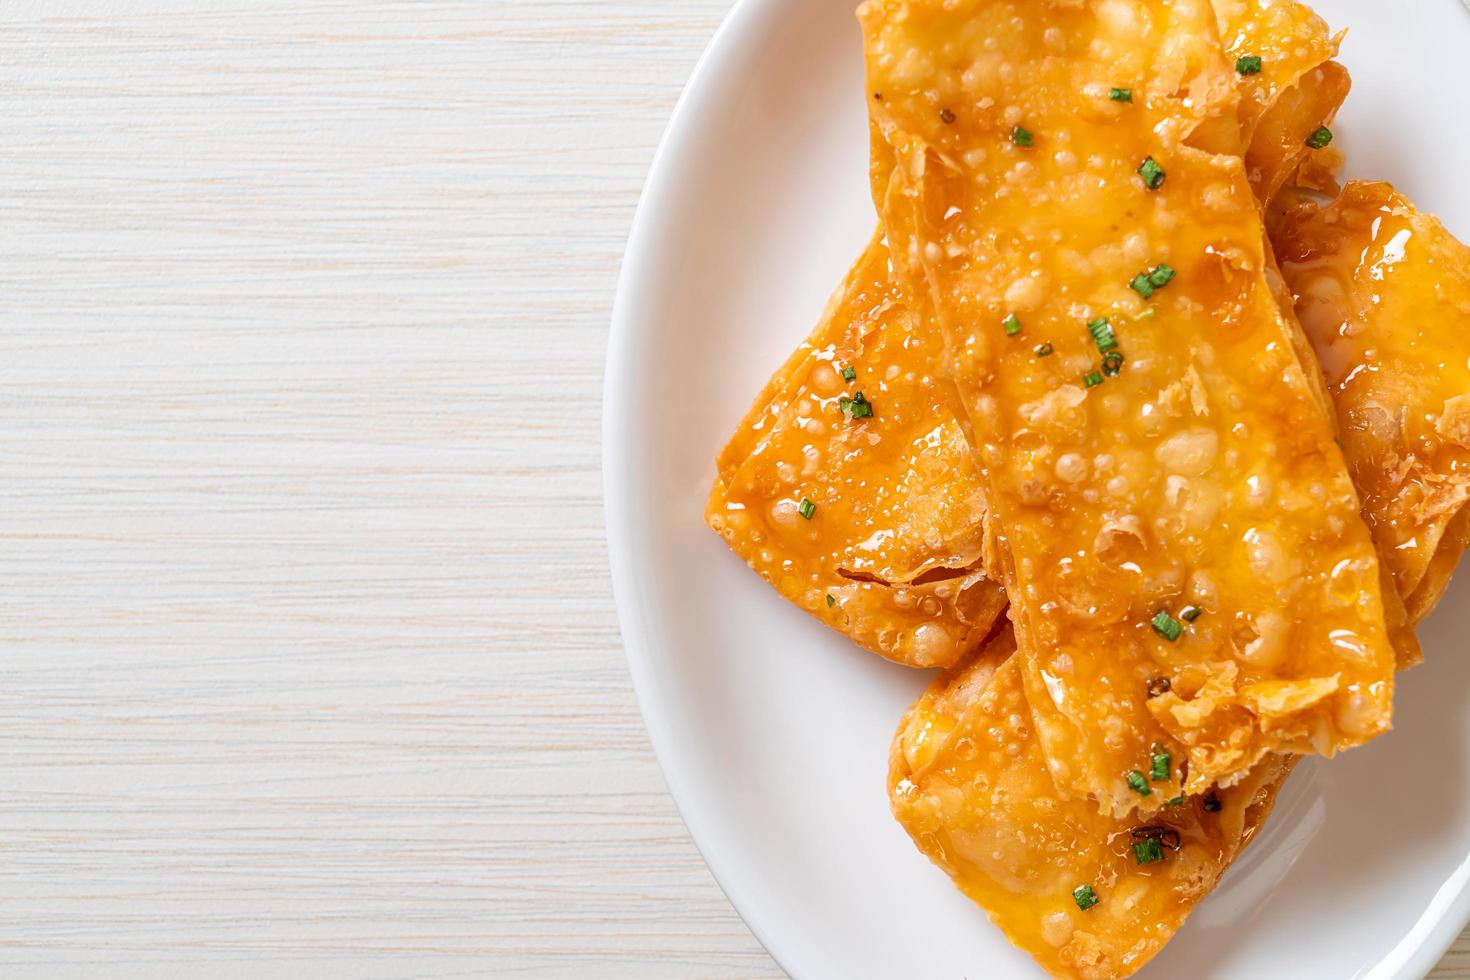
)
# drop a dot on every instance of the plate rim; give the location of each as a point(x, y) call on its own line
point(740, 18)
point(1417, 953)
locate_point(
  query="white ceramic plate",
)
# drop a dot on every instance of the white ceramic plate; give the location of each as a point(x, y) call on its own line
point(773, 732)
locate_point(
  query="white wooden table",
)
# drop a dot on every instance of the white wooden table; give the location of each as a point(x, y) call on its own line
point(310, 662)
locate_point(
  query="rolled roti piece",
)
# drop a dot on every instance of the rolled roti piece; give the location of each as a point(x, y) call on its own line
point(851, 487)
point(1089, 896)
point(1169, 453)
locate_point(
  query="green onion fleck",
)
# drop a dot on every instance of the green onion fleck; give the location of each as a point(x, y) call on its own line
point(1138, 783)
point(831, 600)
point(1146, 284)
point(1176, 801)
point(1147, 851)
point(1212, 802)
point(1249, 64)
point(1320, 138)
point(1160, 762)
point(1112, 363)
point(1022, 137)
point(1102, 334)
point(1044, 350)
point(1167, 626)
point(856, 407)
point(1121, 95)
point(848, 373)
point(1092, 379)
point(1012, 325)
point(1085, 897)
point(1190, 613)
point(807, 508)
point(1153, 175)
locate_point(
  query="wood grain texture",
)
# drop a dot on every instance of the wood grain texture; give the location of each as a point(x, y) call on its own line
point(311, 663)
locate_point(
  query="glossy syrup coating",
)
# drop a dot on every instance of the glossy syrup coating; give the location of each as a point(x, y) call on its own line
point(1383, 291)
point(1205, 473)
point(896, 525)
point(968, 781)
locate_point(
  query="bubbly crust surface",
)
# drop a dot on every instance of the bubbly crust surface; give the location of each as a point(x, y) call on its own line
point(967, 779)
point(896, 526)
point(1203, 472)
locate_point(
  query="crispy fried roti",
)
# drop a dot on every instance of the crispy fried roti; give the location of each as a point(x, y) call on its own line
point(1089, 896)
point(1169, 451)
point(852, 489)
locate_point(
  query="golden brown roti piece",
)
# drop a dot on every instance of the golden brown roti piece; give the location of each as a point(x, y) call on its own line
point(968, 782)
point(1200, 469)
point(889, 549)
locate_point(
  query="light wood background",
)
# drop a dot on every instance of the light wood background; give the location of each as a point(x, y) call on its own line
point(310, 663)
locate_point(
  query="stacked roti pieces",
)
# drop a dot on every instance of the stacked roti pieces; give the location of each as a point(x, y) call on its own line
point(1160, 451)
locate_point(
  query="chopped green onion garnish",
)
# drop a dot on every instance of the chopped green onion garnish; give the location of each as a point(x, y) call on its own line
point(1112, 363)
point(1121, 95)
point(807, 508)
point(1190, 613)
point(1022, 137)
point(1167, 626)
point(1161, 276)
point(831, 600)
point(1102, 334)
point(1044, 350)
point(856, 407)
point(1147, 851)
point(1212, 802)
point(1320, 138)
point(1161, 834)
point(1012, 325)
point(1085, 897)
point(1159, 770)
point(848, 373)
point(1138, 783)
point(1153, 175)
point(1176, 801)
point(1146, 284)
point(1249, 64)
point(1092, 379)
